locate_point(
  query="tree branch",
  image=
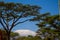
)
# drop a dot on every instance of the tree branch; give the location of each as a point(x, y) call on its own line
point(20, 22)
point(5, 23)
point(2, 24)
point(15, 21)
point(19, 17)
point(12, 24)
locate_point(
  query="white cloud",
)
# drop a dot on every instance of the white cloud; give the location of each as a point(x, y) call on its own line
point(26, 32)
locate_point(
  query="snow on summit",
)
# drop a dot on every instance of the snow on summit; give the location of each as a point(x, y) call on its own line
point(26, 32)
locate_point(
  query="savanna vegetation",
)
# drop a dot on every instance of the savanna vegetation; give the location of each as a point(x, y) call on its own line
point(49, 25)
point(12, 13)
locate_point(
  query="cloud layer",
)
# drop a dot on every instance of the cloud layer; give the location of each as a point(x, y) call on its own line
point(26, 32)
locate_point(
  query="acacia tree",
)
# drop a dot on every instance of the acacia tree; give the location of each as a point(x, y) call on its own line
point(11, 13)
point(50, 27)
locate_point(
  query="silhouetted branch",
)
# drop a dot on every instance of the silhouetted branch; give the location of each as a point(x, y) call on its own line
point(2, 24)
point(15, 21)
point(20, 22)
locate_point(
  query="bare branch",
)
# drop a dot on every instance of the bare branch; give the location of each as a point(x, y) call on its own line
point(12, 24)
point(2, 24)
point(3, 21)
point(19, 17)
point(15, 21)
point(20, 22)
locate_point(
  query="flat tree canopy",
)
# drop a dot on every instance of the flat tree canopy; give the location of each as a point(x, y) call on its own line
point(11, 13)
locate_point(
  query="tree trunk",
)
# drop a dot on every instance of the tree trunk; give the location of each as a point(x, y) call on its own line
point(8, 35)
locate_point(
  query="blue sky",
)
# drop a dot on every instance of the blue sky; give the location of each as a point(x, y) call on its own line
point(47, 6)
